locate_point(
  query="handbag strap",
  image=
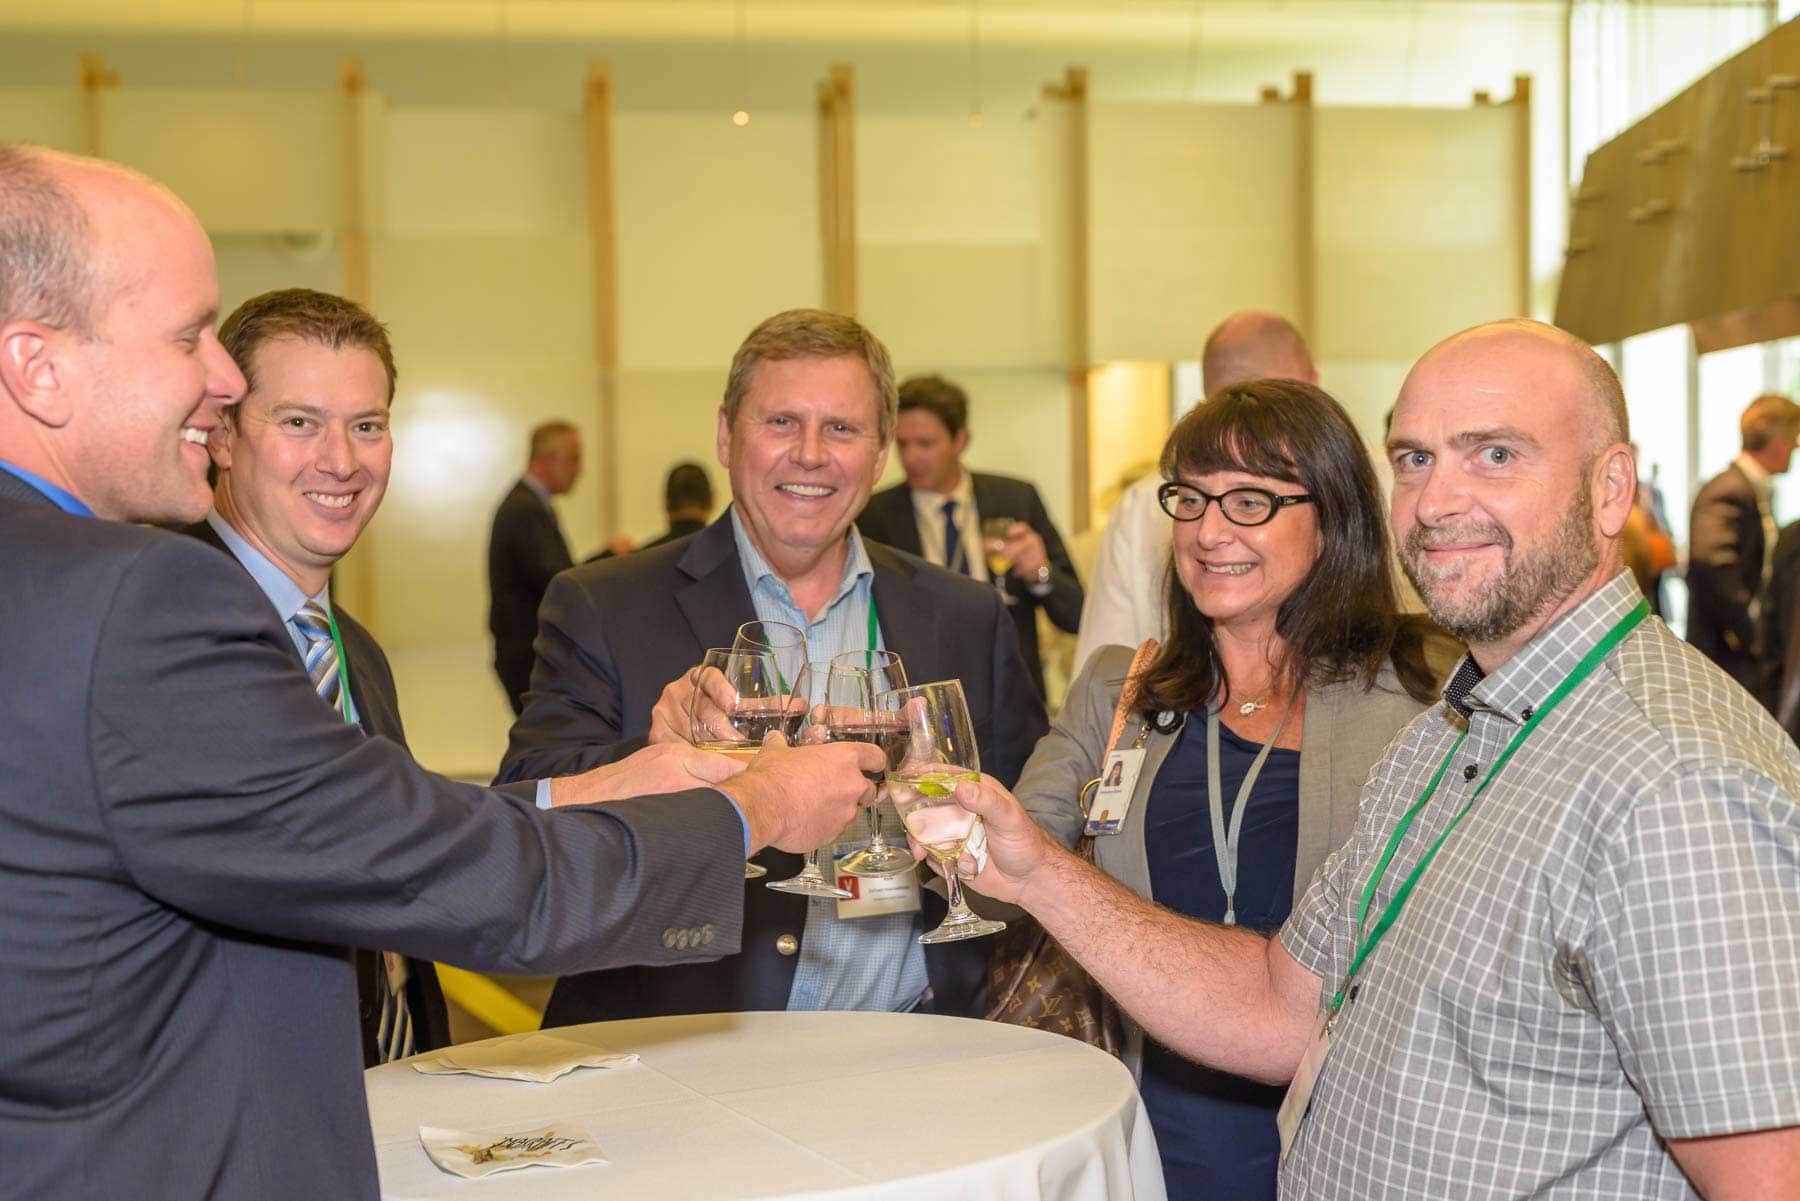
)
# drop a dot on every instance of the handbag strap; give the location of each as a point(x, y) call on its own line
point(1134, 675)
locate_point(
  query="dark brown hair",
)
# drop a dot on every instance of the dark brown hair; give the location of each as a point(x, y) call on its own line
point(1342, 621)
point(938, 396)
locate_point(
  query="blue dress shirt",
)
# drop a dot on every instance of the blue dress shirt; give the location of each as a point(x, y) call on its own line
point(62, 499)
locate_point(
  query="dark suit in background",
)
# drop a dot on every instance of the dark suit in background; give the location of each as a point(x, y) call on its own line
point(526, 549)
point(677, 529)
point(377, 705)
point(613, 634)
point(891, 518)
point(189, 841)
point(1780, 611)
point(1725, 572)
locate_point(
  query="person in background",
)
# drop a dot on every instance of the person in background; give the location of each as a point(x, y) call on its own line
point(941, 509)
point(1778, 613)
point(1125, 597)
point(688, 503)
point(303, 463)
point(1551, 960)
point(526, 549)
point(803, 429)
point(1287, 671)
point(1731, 543)
point(1645, 544)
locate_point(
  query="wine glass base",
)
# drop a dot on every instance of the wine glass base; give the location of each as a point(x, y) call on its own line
point(955, 931)
point(809, 886)
point(889, 861)
point(754, 871)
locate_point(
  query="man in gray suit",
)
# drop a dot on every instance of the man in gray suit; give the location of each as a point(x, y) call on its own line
point(189, 837)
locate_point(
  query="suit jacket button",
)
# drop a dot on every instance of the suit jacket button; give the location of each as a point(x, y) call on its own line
point(706, 935)
point(787, 944)
point(669, 937)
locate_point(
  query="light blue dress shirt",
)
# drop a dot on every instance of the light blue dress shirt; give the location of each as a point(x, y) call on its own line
point(870, 963)
point(63, 499)
point(283, 593)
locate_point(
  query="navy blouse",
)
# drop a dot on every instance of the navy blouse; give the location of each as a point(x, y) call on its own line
point(1216, 1132)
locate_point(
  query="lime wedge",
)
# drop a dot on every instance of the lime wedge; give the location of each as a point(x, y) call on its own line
point(940, 787)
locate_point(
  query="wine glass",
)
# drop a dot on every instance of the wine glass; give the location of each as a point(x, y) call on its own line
point(739, 698)
point(810, 881)
point(786, 644)
point(854, 679)
point(940, 754)
point(993, 546)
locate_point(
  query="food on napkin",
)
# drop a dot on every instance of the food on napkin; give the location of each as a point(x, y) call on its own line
point(537, 1057)
point(474, 1153)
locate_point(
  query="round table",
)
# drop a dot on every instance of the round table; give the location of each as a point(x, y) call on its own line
point(838, 1105)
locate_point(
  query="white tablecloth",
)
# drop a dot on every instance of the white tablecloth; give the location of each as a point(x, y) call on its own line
point(842, 1105)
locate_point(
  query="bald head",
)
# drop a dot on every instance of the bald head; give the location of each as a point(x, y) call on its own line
point(1562, 369)
point(1254, 345)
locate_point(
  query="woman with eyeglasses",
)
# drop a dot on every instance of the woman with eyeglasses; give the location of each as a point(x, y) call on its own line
point(1287, 670)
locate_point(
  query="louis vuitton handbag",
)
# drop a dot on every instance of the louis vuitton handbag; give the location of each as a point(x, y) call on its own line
point(1032, 981)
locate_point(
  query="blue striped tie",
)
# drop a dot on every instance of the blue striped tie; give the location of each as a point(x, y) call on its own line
point(321, 657)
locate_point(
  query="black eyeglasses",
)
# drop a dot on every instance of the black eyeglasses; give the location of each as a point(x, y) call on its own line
point(1241, 506)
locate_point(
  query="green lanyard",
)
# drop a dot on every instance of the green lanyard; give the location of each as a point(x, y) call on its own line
point(344, 706)
point(874, 629)
point(1369, 941)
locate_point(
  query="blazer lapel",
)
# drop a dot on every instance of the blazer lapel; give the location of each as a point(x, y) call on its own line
point(716, 598)
point(907, 625)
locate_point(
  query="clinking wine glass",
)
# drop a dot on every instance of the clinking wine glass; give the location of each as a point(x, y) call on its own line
point(810, 881)
point(853, 682)
point(993, 547)
point(740, 697)
point(786, 645)
point(940, 754)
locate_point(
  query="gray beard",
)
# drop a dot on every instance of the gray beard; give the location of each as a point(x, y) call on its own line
point(1529, 583)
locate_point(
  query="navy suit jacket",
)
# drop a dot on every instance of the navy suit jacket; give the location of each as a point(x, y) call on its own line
point(890, 517)
point(189, 841)
point(612, 634)
point(1725, 562)
point(525, 551)
point(378, 712)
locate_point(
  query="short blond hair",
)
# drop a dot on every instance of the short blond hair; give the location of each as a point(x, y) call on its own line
point(813, 334)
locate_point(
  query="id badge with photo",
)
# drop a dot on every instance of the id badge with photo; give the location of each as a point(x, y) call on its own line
point(874, 895)
point(1118, 784)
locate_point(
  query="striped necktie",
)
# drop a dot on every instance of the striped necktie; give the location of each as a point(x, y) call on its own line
point(321, 657)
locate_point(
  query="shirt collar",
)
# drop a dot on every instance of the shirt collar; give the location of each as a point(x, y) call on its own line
point(1760, 479)
point(543, 493)
point(1515, 688)
point(931, 504)
point(282, 592)
point(757, 569)
point(62, 498)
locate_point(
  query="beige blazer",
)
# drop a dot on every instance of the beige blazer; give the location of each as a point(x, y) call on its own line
point(1344, 733)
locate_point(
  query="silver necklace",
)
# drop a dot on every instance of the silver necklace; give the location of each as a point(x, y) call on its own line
point(1249, 707)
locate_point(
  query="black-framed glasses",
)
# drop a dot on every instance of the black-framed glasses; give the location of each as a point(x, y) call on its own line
point(1241, 506)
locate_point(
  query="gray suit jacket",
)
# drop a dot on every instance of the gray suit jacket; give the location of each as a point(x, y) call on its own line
point(1344, 734)
point(189, 840)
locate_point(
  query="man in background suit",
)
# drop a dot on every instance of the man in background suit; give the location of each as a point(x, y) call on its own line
point(303, 464)
point(803, 429)
point(938, 514)
point(526, 549)
point(688, 503)
point(190, 835)
point(1731, 541)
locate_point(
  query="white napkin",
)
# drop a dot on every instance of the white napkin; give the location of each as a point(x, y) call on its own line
point(537, 1057)
point(474, 1153)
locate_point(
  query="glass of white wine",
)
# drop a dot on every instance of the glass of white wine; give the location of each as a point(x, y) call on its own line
point(940, 754)
point(854, 679)
point(993, 547)
point(740, 697)
point(810, 881)
point(786, 646)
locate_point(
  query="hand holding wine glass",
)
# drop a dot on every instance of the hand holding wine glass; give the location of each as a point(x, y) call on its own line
point(810, 881)
point(850, 714)
point(739, 698)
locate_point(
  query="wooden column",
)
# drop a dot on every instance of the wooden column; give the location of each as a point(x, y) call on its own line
point(95, 78)
point(353, 576)
point(1521, 106)
point(1073, 91)
point(1306, 253)
point(603, 236)
point(837, 188)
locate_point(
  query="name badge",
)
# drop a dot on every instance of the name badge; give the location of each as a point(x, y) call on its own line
point(1299, 1094)
point(871, 896)
point(1118, 784)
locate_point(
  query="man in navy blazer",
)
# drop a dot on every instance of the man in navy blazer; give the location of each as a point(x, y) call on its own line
point(189, 836)
point(804, 430)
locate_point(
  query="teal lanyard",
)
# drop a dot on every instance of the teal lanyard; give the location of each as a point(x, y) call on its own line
point(344, 706)
point(1369, 941)
point(874, 630)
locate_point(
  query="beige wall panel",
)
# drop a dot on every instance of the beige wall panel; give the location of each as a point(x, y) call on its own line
point(665, 417)
point(484, 170)
point(246, 162)
point(1415, 227)
point(1193, 215)
point(1367, 388)
point(963, 305)
point(717, 227)
point(485, 297)
point(43, 116)
point(937, 178)
point(1053, 315)
point(250, 264)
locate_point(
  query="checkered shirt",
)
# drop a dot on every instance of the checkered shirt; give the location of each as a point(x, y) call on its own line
point(1605, 953)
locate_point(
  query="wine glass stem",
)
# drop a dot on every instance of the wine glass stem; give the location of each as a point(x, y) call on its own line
point(877, 844)
point(957, 908)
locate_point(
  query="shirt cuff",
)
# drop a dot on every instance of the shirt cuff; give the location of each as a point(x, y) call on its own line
point(742, 820)
point(543, 794)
